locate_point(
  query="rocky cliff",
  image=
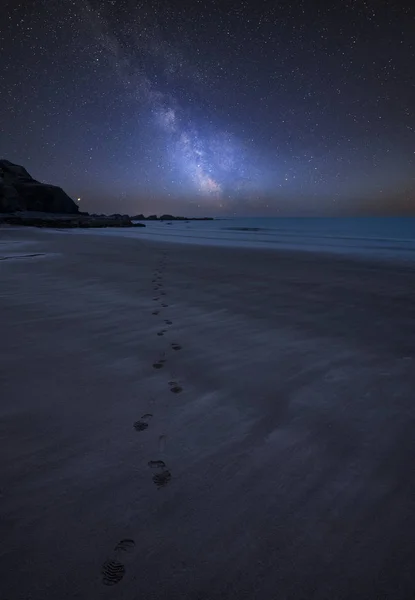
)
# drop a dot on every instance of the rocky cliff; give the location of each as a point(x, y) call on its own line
point(20, 192)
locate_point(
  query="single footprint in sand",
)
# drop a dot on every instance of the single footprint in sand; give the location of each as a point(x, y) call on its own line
point(164, 305)
point(161, 332)
point(113, 570)
point(175, 387)
point(163, 475)
point(156, 464)
point(161, 479)
point(168, 322)
point(157, 298)
point(155, 312)
point(159, 364)
point(126, 546)
point(143, 422)
point(176, 346)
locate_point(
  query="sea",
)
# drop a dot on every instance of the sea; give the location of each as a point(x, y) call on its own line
point(381, 237)
point(385, 238)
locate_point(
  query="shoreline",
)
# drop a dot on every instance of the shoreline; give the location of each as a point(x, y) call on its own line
point(404, 258)
point(378, 239)
point(289, 444)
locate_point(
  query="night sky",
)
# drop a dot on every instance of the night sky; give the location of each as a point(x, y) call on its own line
point(213, 107)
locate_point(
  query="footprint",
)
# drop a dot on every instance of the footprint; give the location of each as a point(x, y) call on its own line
point(156, 464)
point(176, 346)
point(175, 388)
point(162, 332)
point(142, 424)
point(155, 312)
point(162, 478)
point(159, 364)
point(157, 298)
point(113, 570)
point(168, 322)
point(164, 305)
point(125, 546)
point(162, 293)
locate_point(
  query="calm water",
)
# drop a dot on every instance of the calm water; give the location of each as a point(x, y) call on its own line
point(384, 237)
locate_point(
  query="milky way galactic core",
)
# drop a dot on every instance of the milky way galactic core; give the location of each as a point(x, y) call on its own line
point(213, 107)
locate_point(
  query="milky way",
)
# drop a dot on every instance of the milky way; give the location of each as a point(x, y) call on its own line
point(211, 163)
point(213, 107)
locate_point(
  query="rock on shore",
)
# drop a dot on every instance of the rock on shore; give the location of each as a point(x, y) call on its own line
point(20, 192)
point(65, 221)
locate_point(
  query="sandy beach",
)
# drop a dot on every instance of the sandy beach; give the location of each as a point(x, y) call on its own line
point(277, 389)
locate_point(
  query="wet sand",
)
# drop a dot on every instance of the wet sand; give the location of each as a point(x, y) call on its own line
point(276, 389)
